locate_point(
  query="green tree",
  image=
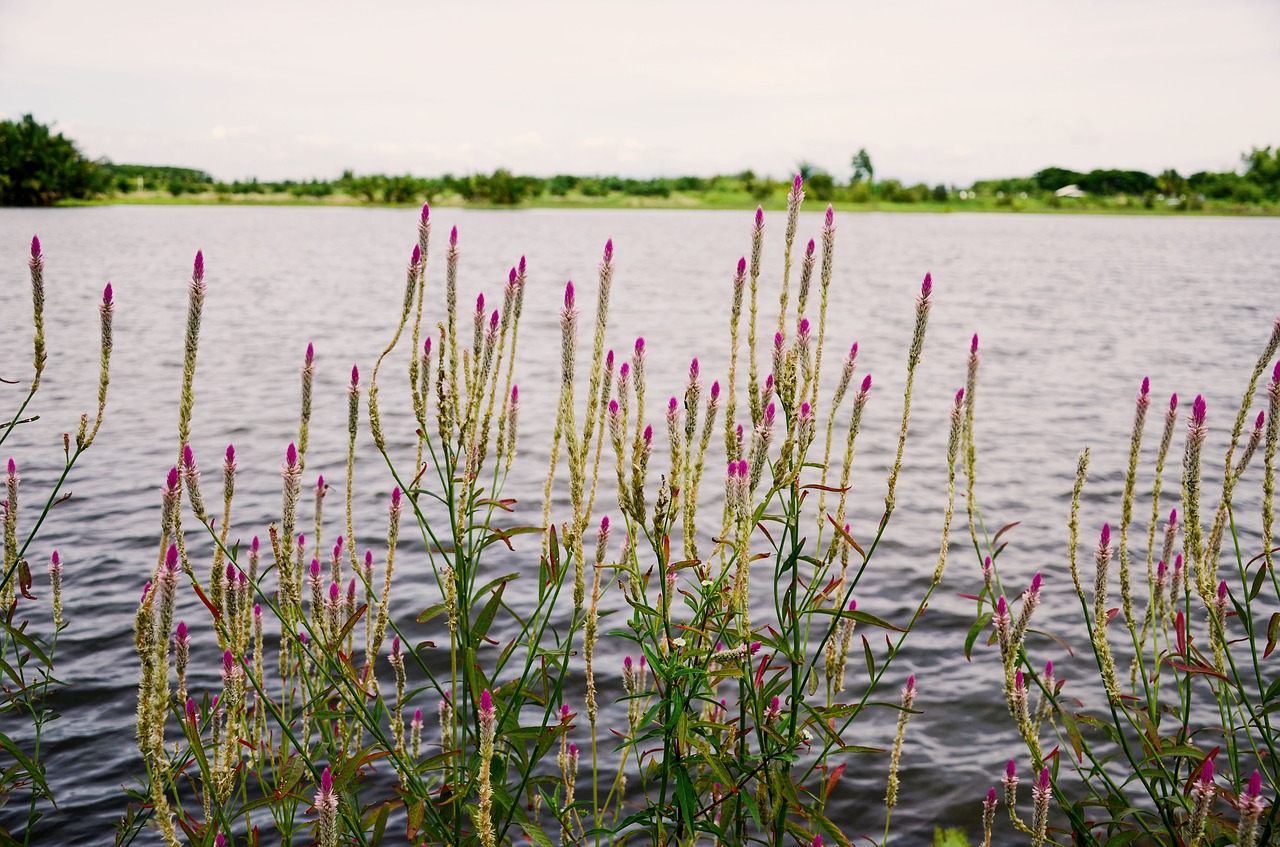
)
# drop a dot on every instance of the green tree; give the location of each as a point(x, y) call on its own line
point(39, 168)
point(1171, 183)
point(862, 168)
point(822, 186)
point(1262, 168)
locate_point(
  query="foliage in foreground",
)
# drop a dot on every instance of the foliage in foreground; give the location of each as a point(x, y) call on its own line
point(26, 653)
point(737, 610)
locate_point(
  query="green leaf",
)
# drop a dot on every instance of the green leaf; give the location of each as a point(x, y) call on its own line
point(871, 662)
point(1257, 582)
point(974, 631)
point(431, 612)
point(486, 616)
point(1273, 633)
point(537, 836)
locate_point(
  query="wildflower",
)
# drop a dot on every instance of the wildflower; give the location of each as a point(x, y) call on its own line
point(182, 654)
point(988, 816)
point(488, 729)
point(1010, 786)
point(1201, 797)
point(1251, 806)
point(55, 584)
point(908, 700)
point(327, 808)
point(1040, 793)
point(415, 732)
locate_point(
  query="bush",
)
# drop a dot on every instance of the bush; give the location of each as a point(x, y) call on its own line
point(39, 168)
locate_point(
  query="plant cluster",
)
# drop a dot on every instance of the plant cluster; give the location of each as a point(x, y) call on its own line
point(1175, 742)
point(26, 652)
point(737, 609)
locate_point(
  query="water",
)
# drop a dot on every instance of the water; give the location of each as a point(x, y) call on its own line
point(1072, 313)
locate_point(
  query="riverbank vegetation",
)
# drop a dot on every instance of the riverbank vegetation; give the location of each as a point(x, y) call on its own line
point(39, 168)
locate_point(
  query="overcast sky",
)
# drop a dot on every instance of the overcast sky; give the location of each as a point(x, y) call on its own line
point(936, 91)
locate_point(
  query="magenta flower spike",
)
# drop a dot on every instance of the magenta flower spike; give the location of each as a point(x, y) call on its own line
point(13, 469)
point(315, 569)
point(926, 287)
point(648, 435)
point(35, 247)
point(568, 297)
point(1255, 785)
point(355, 376)
point(1146, 386)
point(1035, 584)
point(830, 218)
point(171, 558)
point(146, 590)
point(1011, 771)
point(1002, 608)
point(742, 266)
point(257, 612)
point(395, 498)
point(715, 391)
point(426, 213)
point(416, 256)
point(520, 268)
point(973, 348)
point(866, 383)
point(426, 348)
point(310, 356)
point(640, 347)
point(1104, 539)
point(453, 237)
point(759, 217)
point(797, 183)
point(191, 710)
point(181, 634)
point(106, 295)
point(1173, 402)
point(959, 396)
point(291, 456)
point(1048, 669)
point(1198, 411)
point(608, 252)
point(335, 594)
point(197, 269)
point(220, 840)
point(326, 781)
point(808, 251)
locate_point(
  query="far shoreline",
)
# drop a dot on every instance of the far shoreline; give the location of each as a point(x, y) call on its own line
point(985, 205)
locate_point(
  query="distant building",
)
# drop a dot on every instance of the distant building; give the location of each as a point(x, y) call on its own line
point(1069, 191)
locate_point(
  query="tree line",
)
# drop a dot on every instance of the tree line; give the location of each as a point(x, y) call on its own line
point(39, 167)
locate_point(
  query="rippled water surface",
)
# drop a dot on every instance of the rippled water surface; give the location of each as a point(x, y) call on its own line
point(1072, 313)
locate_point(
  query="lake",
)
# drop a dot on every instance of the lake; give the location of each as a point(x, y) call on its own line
point(1072, 312)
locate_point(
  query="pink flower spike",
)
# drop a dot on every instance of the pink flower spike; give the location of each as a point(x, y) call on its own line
point(1173, 402)
point(257, 611)
point(291, 456)
point(1255, 784)
point(197, 269)
point(1048, 669)
point(1044, 778)
point(416, 256)
point(453, 237)
point(809, 249)
point(817, 841)
point(35, 247)
point(715, 390)
point(866, 383)
point(426, 213)
point(1146, 386)
point(54, 560)
point(315, 568)
point(1035, 583)
point(759, 217)
point(991, 797)
point(326, 781)
point(568, 296)
point(1222, 590)
point(797, 183)
point(973, 348)
point(742, 266)
point(1011, 770)
point(220, 840)
point(640, 346)
point(106, 295)
point(1206, 772)
point(608, 252)
point(486, 702)
point(395, 497)
point(911, 682)
point(521, 266)
point(191, 710)
point(171, 558)
point(1104, 540)
point(311, 353)
point(926, 287)
point(1198, 411)
point(480, 304)
point(355, 376)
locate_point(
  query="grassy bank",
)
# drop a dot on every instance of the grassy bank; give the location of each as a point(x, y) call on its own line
point(727, 200)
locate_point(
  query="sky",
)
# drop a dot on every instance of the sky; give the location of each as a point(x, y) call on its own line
point(935, 91)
